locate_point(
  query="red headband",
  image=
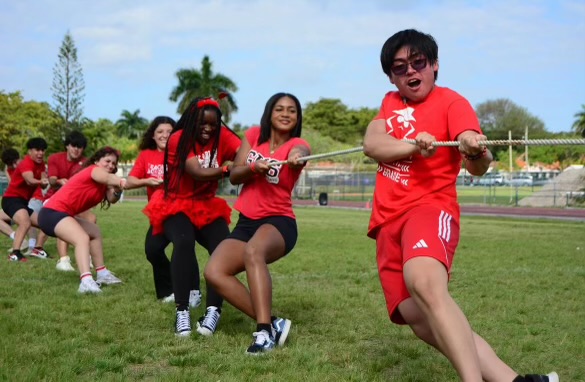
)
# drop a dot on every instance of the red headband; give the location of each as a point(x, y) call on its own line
point(207, 102)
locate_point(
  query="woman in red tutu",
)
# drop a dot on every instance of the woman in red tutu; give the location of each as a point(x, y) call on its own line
point(186, 209)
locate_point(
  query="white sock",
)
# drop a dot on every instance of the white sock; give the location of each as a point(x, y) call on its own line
point(32, 243)
point(12, 235)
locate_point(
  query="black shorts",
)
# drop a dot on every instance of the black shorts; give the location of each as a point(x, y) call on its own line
point(48, 219)
point(11, 205)
point(246, 228)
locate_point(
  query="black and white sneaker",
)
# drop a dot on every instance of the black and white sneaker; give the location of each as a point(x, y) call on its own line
point(263, 342)
point(183, 323)
point(281, 328)
point(207, 324)
point(551, 377)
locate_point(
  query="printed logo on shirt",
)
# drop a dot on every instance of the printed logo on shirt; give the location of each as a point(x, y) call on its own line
point(420, 244)
point(155, 170)
point(398, 171)
point(205, 160)
point(273, 174)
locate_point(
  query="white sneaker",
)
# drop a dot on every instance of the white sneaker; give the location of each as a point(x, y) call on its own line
point(194, 298)
point(107, 278)
point(207, 324)
point(88, 285)
point(64, 264)
point(169, 298)
point(183, 323)
point(39, 253)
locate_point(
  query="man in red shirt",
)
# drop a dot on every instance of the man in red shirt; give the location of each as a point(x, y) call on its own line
point(62, 166)
point(415, 216)
point(27, 177)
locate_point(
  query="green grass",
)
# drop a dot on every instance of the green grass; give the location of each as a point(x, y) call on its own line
point(520, 282)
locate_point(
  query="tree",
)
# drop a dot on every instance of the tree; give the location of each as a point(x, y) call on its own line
point(579, 124)
point(204, 83)
point(332, 118)
point(497, 117)
point(68, 85)
point(21, 120)
point(131, 125)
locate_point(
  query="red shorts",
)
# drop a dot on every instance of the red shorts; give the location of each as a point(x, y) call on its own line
point(423, 231)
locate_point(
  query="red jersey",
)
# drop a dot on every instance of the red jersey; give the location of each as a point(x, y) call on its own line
point(189, 187)
point(62, 168)
point(18, 188)
point(79, 194)
point(10, 171)
point(269, 195)
point(149, 164)
point(414, 181)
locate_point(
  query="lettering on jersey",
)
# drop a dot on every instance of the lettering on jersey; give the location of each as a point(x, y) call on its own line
point(205, 160)
point(273, 174)
point(396, 171)
point(155, 170)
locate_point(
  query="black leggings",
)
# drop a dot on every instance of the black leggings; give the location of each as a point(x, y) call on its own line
point(181, 274)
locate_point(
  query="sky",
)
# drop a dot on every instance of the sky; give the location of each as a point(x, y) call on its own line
point(529, 51)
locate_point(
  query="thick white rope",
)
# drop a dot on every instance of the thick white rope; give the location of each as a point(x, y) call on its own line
point(498, 142)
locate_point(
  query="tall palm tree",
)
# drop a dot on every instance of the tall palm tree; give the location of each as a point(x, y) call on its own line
point(579, 124)
point(204, 83)
point(131, 125)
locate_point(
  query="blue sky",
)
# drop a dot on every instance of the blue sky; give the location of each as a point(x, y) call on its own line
point(531, 52)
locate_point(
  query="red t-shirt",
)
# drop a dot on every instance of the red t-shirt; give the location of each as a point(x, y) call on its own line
point(62, 168)
point(269, 195)
point(149, 164)
point(18, 188)
point(414, 181)
point(189, 187)
point(79, 194)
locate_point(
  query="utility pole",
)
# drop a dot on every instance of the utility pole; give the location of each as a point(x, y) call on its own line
point(526, 149)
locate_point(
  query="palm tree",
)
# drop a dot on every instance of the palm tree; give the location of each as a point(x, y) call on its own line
point(579, 124)
point(204, 83)
point(131, 125)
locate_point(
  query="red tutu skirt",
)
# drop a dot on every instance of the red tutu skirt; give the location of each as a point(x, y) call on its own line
point(200, 212)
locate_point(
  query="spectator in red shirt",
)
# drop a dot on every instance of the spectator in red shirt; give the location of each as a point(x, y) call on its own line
point(266, 229)
point(95, 183)
point(62, 166)
point(28, 175)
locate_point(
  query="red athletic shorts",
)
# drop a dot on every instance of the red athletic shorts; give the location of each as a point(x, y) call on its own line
point(423, 231)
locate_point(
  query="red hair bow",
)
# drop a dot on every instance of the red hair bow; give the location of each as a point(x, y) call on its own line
point(207, 102)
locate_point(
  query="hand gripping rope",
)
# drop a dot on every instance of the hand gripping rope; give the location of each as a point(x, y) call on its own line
point(500, 142)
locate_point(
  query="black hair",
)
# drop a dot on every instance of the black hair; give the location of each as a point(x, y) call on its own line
point(417, 43)
point(147, 142)
point(190, 124)
point(36, 143)
point(266, 123)
point(10, 156)
point(76, 139)
point(104, 151)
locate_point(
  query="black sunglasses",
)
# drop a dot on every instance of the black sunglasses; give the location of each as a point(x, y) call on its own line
point(401, 68)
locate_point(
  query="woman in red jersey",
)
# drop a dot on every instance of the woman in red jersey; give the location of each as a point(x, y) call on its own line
point(148, 171)
point(95, 183)
point(187, 210)
point(266, 230)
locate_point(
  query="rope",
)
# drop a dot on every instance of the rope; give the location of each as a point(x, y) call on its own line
point(500, 142)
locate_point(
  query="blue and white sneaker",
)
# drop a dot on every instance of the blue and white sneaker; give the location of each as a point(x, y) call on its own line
point(263, 342)
point(183, 323)
point(281, 328)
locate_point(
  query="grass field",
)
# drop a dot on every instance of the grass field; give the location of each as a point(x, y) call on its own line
point(520, 282)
